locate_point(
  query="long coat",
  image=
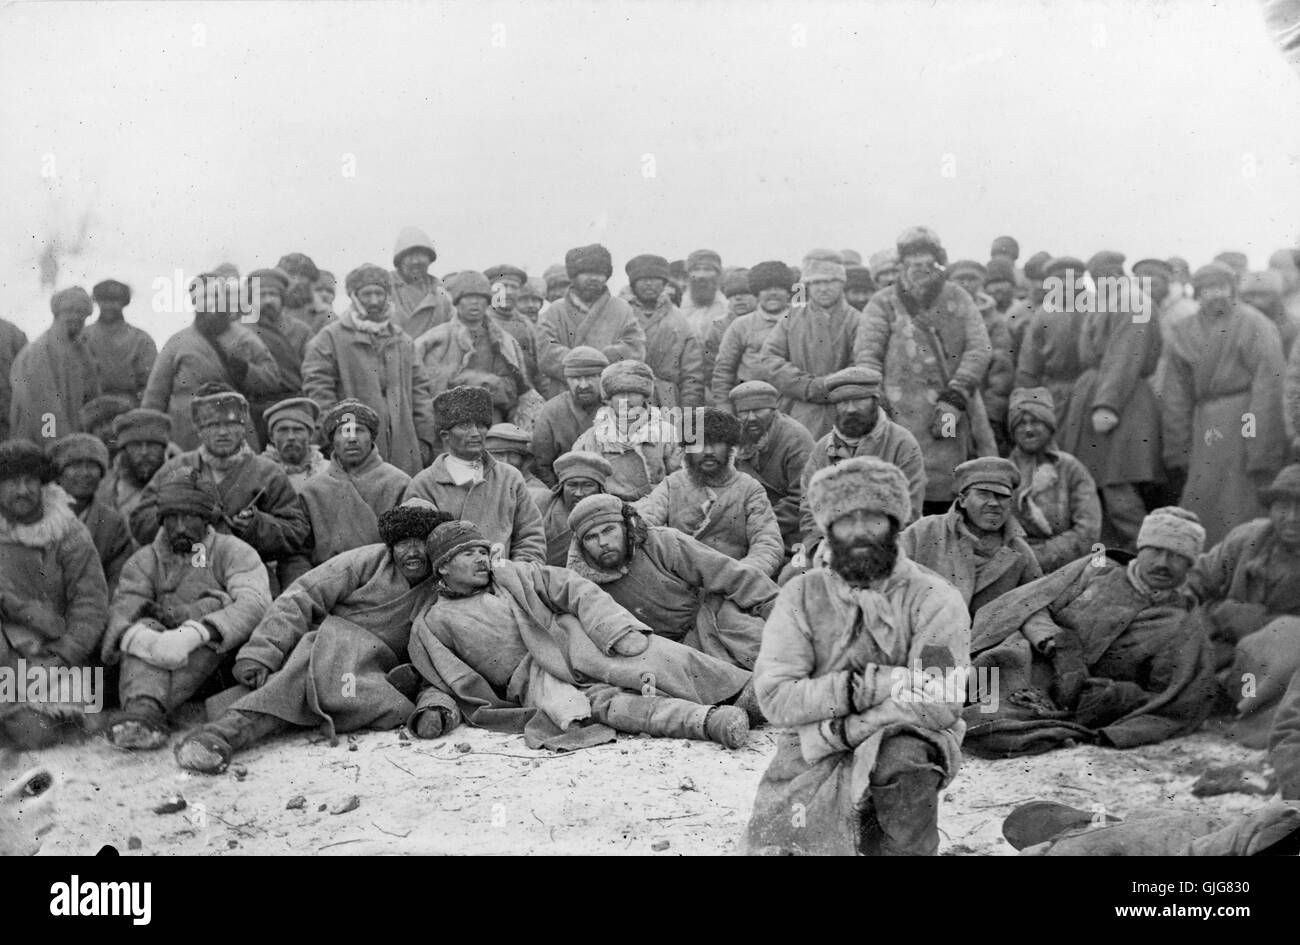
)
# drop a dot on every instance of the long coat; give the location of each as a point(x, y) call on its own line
point(187, 362)
point(559, 424)
point(1222, 411)
point(112, 538)
point(806, 344)
point(419, 307)
point(1049, 357)
point(446, 350)
point(675, 354)
point(610, 326)
point(1057, 506)
point(344, 507)
point(740, 350)
point(735, 518)
point(921, 352)
point(52, 379)
point(12, 340)
point(382, 372)
point(820, 634)
point(777, 461)
point(124, 356)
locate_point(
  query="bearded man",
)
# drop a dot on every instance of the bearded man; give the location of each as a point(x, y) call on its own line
point(703, 300)
point(142, 438)
point(846, 656)
point(291, 425)
point(565, 418)
point(774, 449)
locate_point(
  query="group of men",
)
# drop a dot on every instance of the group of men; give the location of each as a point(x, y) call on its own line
point(814, 496)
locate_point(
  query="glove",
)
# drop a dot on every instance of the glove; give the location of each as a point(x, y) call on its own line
point(432, 722)
point(172, 649)
point(1104, 420)
point(251, 673)
point(816, 393)
point(139, 641)
point(631, 644)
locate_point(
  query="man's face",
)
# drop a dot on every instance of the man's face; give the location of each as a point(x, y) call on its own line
point(606, 545)
point(589, 286)
point(221, 435)
point(742, 303)
point(323, 296)
point(1285, 516)
point(921, 270)
point(71, 320)
point(585, 389)
point(970, 281)
point(864, 546)
point(574, 490)
point(1159, 285)
point(857, 417)
point(886, 277)
point(1003, 292)
point(555, 290)
point(104, 433)
point(505, 294)
point(509, 457)
point(774, 300)
point(1163, 570)
point(468, 570)
point(270, 300)
point(414, 266)
point(710, 461)
point(143, 460)
point(1031, 435)
point(20, 498)
point(755, 422)
point(412, 560)
point(291, 439)
point(183, 530)
point(471, 309)
point(528, 305)
point(352, 444)
point(80, 479)
point(703, 283)
point(648, 290)
point(985, 509)
point(858, 298)
point(374, 302)
point(465, 440)
point(211, 324)
point(1216, 299)
point(825, 292)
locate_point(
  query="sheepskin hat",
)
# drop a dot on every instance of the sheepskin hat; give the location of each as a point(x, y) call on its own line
point(76, 447)
point(414, 518)
point(772, 274)
point(462, 405)
point(142, 425)
point(646, 266)
point(627, 377)
point(921, 239)
point(861, 483)
point(823, 264)
point(1174, 529)
point(20, 457)
point(367, 274)
point(593, 258)
point(720, 427)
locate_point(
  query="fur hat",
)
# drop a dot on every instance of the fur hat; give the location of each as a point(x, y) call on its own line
point(704, 259)
point(1060, 265)
point(302, 410)
point(627, 377)
point(142, 425)
point(1031, 402)
point(884, 261)
point(450, 539)
point(270, 279)
point(1155, 266)
point(1000, 269)
point(968, 267)
point(414, 518)
point(1235, 261)
point(367, 274)
point(754, 395)
point(1035, 265)
point(582, 465)
point(462, 405)
point(340, 413)
point(592, 511)
point(298, 265)
point(593, 258)
point(851, 257)
point(110, 290)
point(469, 282)
point(185, 491)
point(1174, 529)
point(862, 482)
point(74, 298)
point(859, 277)
point(823, 264)
point(217, 397)
point(76, 447)
point(772, 274)
point(1005, 246)
point(921, 239)
point(646, 266)
point(719, 427)
point(24, 458)
point(1106, 260)
point(103, 409)
point(736, 282)
point(506, 271)
point(584, 360)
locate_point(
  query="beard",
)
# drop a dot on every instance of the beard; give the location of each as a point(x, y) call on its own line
point(703, 291)
point(298, 296)
point(1217, 308)
point(182, 544)
point(854, 425)
point(704, 478)
point(863, 561)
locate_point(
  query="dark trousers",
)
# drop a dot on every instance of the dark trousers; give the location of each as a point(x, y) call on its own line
point(902, 817)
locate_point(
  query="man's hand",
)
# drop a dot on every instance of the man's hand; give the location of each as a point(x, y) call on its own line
point(432, 722)
point(816, 393)
point(631, 644)
point(243, 519)
point(251, 673)
point(1104, 420)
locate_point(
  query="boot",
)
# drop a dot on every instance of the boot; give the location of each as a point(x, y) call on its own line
point(665, 716)
point(748, 701)
point(209, 748)
point(907, 814)
point(142, 724)
point(727, 725)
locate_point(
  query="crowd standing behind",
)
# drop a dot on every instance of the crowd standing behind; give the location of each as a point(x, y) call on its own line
point(784, 495)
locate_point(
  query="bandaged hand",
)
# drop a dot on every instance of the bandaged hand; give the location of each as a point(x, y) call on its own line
point(631, 644)
point(1104, 420)
point(172, 649)
point(251, 673)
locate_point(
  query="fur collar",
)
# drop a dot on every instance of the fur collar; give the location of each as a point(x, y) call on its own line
point(54, 524)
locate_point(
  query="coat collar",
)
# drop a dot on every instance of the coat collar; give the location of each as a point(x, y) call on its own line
point(439, 473)
point(57, 519)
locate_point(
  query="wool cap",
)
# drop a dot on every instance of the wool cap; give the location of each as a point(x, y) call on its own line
point(270, 278)
point(302, 410)
point(110, 290)
point(646, 266)
point(368, 274)
point(862, 483)
point(851, 257)
point(1034, 402)
point(988, 472)
point(1215, 273)
point(1060, 265)
point(772, 274)
point(736, 282)
point(299, 265)
point(853, 383)
point(704, 259)
point(1286, 485)
point(186, 492)
point(216, 399)
point(1005, 246)
point(142, 425)
point(103, 409)
point(824, 265)
point(921, 239)
point(508, 438)
point(581, 464)
point(627, 377)
point(410, 238)
point(414, 518)
point(1106, 259)
point(593, 258)
point(557, 274)
point(594, 511)
point(1154, 267)
point(1000, 269)
point(754, 395)
point(858, 277)
point(451, 538)
point(719, 427)
point(19, 457)
point(73, 299)
point(506, 271)
point(1174, 529)
point(462, 405)
point(532, 289)
point(469, 282)
point(76, 447)
point(349, 410)
point(884, 261)
point(1036, 264)
point(967, 267)
point(584, 360)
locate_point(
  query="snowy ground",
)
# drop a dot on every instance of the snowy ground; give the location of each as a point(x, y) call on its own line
point(482, 793)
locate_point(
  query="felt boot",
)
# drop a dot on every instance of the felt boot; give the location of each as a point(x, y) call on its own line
point(142, 724)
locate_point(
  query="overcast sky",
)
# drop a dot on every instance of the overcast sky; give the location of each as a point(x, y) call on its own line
point(190, 133)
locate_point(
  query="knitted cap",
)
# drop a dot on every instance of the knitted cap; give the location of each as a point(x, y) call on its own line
point(593, 511)
point(754, 395)
point(584, 360)
point(988, 472)
point(862, 483)
point(350, 410)
point(142, 425)
point(1031, 402)
point(462, 405)
point(646, 266)
point(627, 377)
point(76, 447)
point(583, 465)
point(772, 274)
point(1174, 529)
point(469, 282)
point(24, 458)
point(367, 274)
point(302, 410)
point(593, 258)
point(450, 539)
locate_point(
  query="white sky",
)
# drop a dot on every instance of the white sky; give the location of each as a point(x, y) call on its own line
point(197, 132)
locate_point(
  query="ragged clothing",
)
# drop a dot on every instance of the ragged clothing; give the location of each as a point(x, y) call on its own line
point(980, 569)
point(777, 461)
point(344, 507)
point(1056, 505)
